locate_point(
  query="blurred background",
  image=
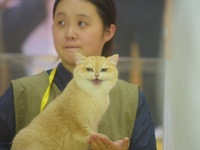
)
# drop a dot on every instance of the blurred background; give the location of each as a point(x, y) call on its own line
point(158, 44)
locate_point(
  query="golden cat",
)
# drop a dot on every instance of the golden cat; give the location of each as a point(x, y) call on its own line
point(67, 122)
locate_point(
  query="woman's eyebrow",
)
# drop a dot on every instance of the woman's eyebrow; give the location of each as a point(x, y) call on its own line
point(83, 15)
point(79, 15)
point(59, 14)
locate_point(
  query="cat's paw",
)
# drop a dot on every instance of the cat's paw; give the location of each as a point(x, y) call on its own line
point(83, 139)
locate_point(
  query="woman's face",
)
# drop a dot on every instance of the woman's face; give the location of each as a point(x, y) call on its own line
point(78, 27)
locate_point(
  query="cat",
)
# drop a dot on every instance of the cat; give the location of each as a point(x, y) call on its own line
point(68, 121)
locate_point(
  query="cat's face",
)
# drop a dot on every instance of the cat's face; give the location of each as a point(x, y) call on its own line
point(96, 71)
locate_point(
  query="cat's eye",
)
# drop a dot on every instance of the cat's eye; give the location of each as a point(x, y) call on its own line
point(104, 69)
point(89, 69)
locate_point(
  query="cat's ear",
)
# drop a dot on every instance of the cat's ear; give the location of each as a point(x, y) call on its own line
point(114, 59)
point(79, 58)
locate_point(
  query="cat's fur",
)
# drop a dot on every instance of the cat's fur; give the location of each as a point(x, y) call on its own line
point(67, 122)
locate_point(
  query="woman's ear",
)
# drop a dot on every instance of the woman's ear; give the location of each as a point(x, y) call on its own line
point(109, 33)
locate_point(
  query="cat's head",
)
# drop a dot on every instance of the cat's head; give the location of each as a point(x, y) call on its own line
point(95, 72)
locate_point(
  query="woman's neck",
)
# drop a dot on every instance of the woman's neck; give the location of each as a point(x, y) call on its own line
point(69, 67)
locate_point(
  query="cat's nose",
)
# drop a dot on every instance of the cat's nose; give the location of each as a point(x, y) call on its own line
point(96, 75)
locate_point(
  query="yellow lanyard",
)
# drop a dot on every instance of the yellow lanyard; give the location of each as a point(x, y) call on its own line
point(47, 92)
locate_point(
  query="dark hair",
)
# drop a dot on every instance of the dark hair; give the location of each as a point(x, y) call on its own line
point(107, 12)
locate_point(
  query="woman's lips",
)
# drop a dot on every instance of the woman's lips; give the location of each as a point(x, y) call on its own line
point(71, 48)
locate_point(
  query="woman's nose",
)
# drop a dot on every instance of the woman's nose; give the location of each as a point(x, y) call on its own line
point(70, 34)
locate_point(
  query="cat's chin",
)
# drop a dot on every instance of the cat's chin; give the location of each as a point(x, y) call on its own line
point(96, 82)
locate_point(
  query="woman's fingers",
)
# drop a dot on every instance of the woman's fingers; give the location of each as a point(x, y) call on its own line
point(102, 142)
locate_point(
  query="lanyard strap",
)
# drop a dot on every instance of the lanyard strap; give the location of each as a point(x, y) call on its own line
point(47, 92)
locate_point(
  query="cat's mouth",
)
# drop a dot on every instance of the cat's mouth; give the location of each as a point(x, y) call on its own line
point(96, 81)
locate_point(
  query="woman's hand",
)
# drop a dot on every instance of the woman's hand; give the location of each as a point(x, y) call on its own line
point(102, 142)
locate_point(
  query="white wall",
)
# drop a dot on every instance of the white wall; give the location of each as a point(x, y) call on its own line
point(182, 84)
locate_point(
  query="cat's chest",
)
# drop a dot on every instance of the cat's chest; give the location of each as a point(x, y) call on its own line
point(97, 102)
point(95, 107)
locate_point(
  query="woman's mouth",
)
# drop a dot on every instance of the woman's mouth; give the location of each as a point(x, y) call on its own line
point(71, 48)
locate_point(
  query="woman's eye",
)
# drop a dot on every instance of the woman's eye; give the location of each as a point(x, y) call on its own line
point(61, 23)
point(82, 24)
point(89, 69)
point(104, 69)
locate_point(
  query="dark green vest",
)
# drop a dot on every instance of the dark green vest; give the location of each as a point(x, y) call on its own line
point(118, 121)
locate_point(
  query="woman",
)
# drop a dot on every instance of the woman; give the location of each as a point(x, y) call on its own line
point(85, 26)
